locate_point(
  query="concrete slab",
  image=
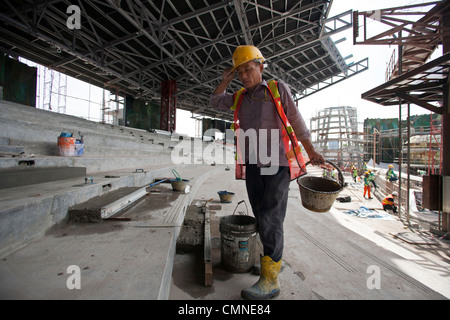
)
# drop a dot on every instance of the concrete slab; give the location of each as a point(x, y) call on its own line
point(116, 260)
point(28, 212)
point(327, 256)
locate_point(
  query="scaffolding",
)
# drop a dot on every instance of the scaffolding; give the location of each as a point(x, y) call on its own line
point(335, 135)
point(112, 109)
point(435, 147)
point(55, 91)
point(422, 148)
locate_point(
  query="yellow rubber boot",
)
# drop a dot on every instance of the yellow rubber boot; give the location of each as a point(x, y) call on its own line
point(268, 285)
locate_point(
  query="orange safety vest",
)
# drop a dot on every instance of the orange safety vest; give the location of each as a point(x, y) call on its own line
point(388, 202)
point(291, 146)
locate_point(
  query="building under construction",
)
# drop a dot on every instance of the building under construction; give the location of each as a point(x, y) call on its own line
point(335, 134)
point(99, 217)
point(417, 31)
point(423, 148)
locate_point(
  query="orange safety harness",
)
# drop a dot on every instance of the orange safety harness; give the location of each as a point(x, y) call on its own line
point(388, 202)
point(290, 142)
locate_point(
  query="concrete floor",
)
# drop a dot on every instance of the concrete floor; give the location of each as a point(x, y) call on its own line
point(330, 255)
point(327, 255)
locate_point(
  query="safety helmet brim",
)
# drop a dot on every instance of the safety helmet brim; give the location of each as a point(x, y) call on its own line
point(244, 54)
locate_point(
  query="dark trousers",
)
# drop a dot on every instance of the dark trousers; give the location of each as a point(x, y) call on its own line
point(389, 207)
point(268, 195)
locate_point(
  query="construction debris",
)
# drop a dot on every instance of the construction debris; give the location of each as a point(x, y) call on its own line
point(191, 234)
point(415, 238)
point(364, 212)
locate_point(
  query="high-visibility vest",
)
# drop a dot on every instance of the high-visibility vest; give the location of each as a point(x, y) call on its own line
point(388, 202)
point(291, 146)
point(390, 174)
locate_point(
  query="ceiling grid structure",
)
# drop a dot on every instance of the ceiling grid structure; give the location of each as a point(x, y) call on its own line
point(131, 47)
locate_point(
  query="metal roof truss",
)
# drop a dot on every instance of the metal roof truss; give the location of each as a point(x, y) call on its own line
point(131, 46)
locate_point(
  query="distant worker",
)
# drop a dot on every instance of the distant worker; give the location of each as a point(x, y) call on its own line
point(334, 174)
point(389, 202)
point(265, 107)
point(354, 173)
point(367, 184)
point(390, 174)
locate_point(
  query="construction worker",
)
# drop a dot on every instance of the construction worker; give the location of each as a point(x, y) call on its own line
point(264, 105)
point(372, 178)
point(354, 173)
point(390, 174)
point(367, 184)
point(334, 174)
point(389, 202)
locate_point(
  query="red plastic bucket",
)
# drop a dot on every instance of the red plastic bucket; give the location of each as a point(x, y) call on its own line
point(66, 146)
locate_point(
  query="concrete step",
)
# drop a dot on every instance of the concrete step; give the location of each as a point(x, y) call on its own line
point(11, 178)
point(11, 149)
point(148, 239)
point(4, 141)
point(29, 211)
point(43, 140)
point(37, 131)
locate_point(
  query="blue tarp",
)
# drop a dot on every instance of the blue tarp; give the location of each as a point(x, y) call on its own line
point(364, 212)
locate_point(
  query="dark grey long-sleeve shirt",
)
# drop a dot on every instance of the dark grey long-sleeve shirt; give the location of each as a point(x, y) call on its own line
point(258, 112)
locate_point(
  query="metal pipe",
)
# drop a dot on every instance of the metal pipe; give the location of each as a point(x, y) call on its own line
point(400, 67)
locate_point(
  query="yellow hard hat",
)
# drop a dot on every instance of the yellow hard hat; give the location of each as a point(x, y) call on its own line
point(391, 166)
point(243, 54)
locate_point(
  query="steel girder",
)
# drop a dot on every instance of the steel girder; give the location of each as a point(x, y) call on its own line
point(415, 27)
point(132, 46)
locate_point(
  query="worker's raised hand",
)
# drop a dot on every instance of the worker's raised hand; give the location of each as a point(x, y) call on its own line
point(227, 77)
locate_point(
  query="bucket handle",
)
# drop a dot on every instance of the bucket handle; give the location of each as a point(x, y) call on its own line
point(238, 206)
point(175, 173)
point(341, 176)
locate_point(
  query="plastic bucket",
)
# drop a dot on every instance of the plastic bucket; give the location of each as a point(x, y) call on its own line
point(225, 196)
point(238, 242)
point(79, 149)
point(178, 185)
point(318, 194)
point(66, 146)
